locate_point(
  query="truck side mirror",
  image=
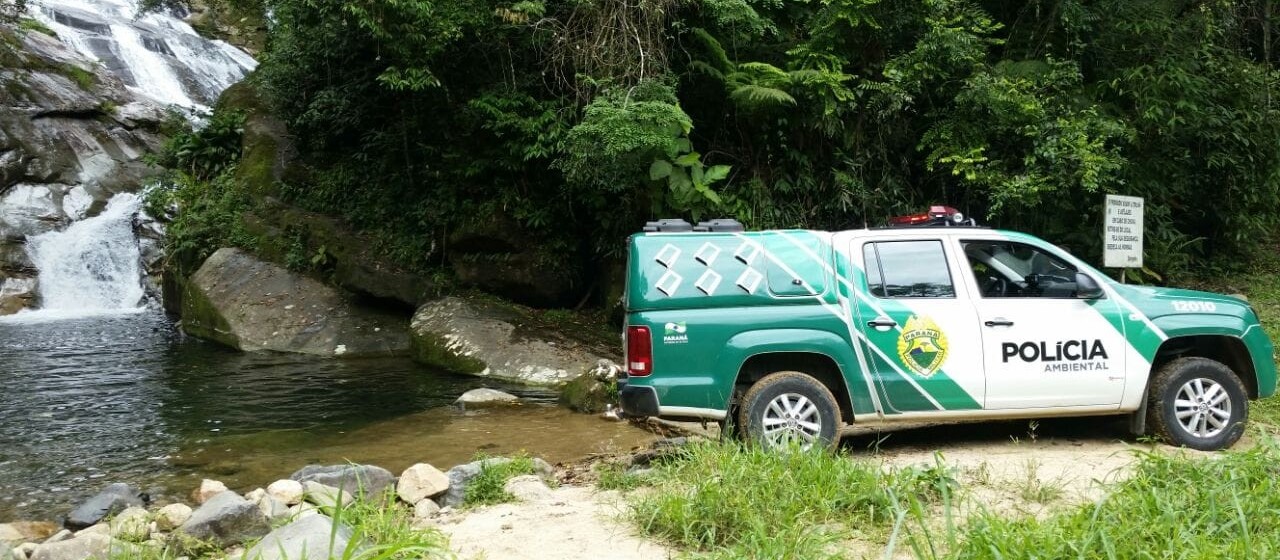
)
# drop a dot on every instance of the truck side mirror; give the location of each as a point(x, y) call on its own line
point(1087, 287)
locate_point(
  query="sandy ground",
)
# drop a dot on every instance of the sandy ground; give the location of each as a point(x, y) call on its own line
point(1018, 467)
point(576, 523)
point(1015, 468)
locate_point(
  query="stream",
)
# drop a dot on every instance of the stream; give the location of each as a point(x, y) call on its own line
point(127, 398)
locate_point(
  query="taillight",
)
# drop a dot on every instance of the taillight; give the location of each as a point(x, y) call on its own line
point(639, 351)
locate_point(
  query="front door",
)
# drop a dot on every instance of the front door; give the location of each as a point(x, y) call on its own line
point(918, 332)
point(1043, 346)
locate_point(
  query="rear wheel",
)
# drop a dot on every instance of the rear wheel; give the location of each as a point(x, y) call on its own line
point(1198, 403)
point(790, 408)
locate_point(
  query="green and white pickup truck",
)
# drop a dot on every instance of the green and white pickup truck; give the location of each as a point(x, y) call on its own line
point(788, 336)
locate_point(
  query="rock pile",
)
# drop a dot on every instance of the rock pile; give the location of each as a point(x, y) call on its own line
point(297, 518)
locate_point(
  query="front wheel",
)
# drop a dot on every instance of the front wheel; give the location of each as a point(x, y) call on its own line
point(1198, 403)
point(789, 408)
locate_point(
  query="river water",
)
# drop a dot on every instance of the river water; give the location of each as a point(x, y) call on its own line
point(128, 398)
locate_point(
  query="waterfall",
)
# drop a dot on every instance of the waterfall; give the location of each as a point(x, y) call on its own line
point(91, 268)
point(155, 54)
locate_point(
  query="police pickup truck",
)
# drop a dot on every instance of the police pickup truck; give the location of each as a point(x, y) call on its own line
point(787, 336)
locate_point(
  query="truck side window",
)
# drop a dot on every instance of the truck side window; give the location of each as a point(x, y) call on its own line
point(1007, 269)
point(908, 269)
point(875, 282)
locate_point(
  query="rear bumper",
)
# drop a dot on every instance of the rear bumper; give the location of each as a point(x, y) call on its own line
point(638, 401)
point(641, 401)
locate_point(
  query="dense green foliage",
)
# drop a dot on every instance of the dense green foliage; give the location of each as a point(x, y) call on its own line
point(200, 180)
point(579, 119)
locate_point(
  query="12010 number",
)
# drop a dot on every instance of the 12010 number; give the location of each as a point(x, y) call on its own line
point(1195, 306)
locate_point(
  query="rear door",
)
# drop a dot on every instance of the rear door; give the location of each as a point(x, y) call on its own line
point(1043, 346)
point(918, 325)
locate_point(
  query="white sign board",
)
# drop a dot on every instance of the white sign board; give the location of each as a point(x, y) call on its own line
point(1122, 232)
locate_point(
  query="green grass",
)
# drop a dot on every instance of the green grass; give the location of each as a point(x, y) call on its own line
point(29, 24)
point(387, 528)
point(487, 487)
point(725, 500)
point(83, 78)
point(614, 476)
point(1173, 506)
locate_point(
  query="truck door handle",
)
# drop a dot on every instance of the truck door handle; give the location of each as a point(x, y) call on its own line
point(999, 322)
point(882, 323)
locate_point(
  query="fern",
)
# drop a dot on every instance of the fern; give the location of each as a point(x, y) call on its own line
point(751, 96)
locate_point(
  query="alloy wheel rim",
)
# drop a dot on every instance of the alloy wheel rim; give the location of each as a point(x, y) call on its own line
point(1203, 407)
point(792, 419)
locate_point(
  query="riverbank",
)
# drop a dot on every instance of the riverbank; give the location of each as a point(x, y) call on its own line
point(129, 398)
point(958, 491)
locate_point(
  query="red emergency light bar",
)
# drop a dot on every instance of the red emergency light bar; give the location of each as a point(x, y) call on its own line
point(937, 215)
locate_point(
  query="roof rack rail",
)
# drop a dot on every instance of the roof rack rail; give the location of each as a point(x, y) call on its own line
point(677, 225)
point(720, 225)
point(668, 225)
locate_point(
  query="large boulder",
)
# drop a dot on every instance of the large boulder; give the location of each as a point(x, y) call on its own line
point(111, 500)
point(314, 537)
point(357, 480)
point(501, 341)
point(250, 304)
point(226, 520)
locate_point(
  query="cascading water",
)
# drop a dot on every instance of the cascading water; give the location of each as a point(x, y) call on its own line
point(92, 267)
point(155, 54)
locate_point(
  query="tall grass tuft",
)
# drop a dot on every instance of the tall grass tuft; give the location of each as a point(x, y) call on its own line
point(385, 530)
point(1226, 506)
point(487, 488)
point(744, 502)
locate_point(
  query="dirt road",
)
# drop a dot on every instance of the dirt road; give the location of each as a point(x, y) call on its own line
point(1019, 467)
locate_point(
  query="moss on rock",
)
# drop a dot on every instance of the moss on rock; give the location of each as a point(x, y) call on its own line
point(589, 394)
point(433, 349)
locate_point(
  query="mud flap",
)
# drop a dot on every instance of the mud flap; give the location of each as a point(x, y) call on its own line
point(1138, 418)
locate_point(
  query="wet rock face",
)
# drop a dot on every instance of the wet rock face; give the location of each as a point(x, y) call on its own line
point(500, 341)
point(250, 304)
point(67, 145)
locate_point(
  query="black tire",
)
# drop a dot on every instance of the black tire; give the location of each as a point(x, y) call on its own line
point(796, 388)
point(1177, 379)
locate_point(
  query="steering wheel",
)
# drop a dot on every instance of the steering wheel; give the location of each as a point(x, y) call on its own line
point(996, 286)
